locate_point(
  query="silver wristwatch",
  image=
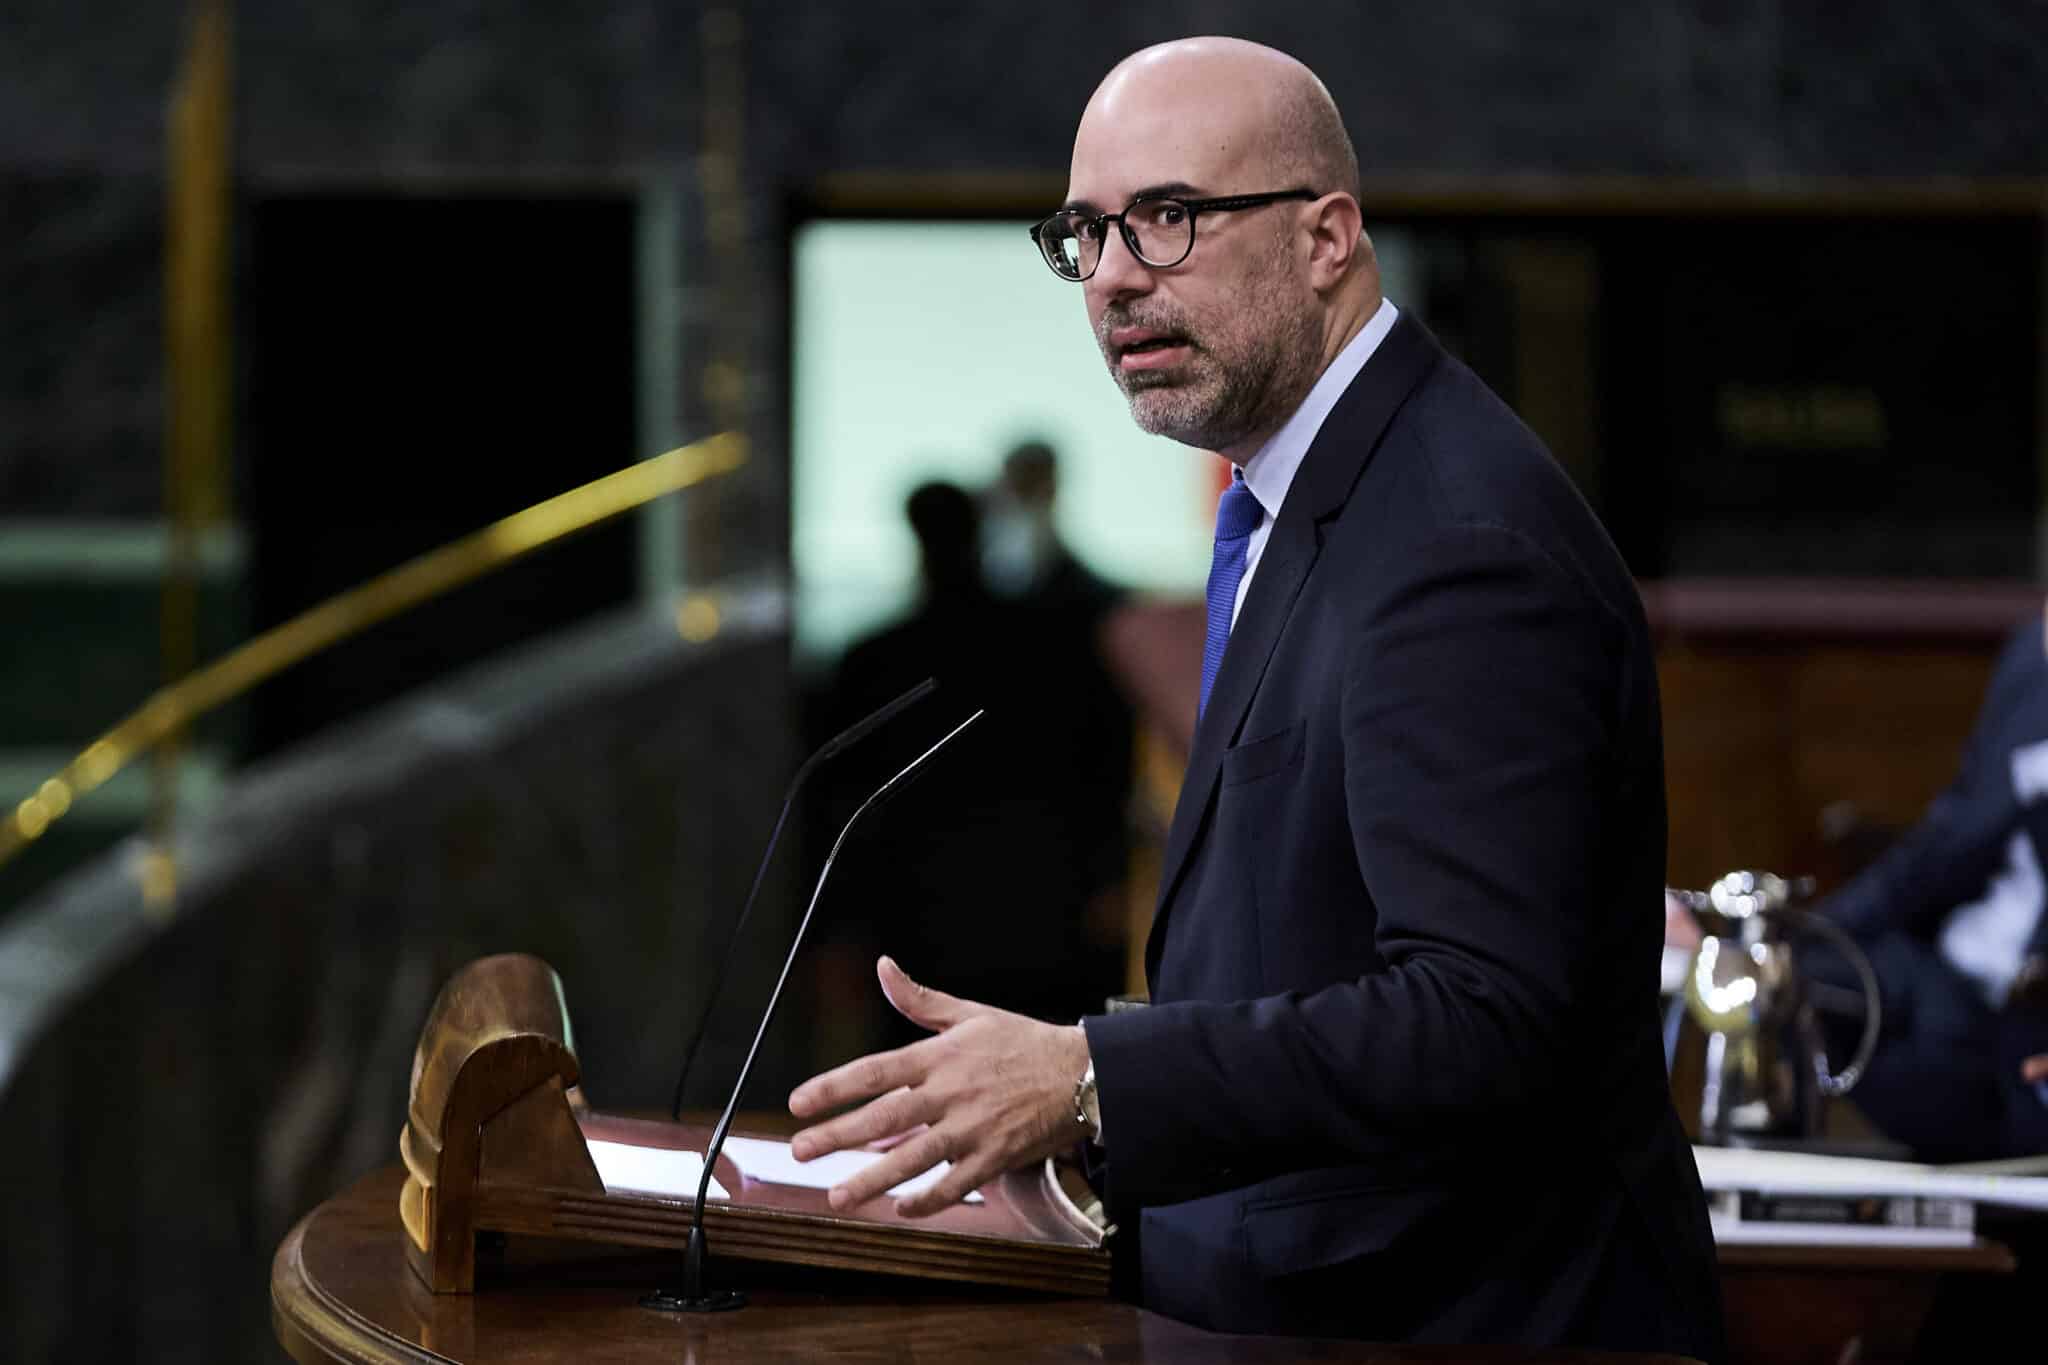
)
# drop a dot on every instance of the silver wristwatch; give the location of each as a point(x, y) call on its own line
point(1088, 1105)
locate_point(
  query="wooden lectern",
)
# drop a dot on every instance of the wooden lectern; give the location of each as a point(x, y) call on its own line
point(497, 1139)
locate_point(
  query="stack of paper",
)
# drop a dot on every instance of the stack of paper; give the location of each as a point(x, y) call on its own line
point(1760, 1197)
point(651, 1170)
point(773, 1162)
point(674, 1174)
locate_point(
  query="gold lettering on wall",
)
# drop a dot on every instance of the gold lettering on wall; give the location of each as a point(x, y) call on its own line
point(1801, 417)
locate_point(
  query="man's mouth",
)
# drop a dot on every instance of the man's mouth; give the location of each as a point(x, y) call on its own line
point(1142, 348)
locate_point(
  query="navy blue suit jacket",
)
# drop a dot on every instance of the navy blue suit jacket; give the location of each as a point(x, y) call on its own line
point(1949, 858)
point(1402, 1078)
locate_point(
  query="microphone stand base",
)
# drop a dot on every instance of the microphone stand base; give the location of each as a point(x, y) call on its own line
point(712, 1301)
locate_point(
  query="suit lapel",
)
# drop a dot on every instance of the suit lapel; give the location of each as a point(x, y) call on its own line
point(1339, 453)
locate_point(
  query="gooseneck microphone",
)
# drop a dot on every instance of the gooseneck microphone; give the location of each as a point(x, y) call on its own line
point(832, 748)
point(693, 1298)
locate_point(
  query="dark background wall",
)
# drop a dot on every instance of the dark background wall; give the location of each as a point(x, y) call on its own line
point(739, 110)
point(545, 98)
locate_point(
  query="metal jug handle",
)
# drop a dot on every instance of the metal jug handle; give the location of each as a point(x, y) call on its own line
point(1843, 1081)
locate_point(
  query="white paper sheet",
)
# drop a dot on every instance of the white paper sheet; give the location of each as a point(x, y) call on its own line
point(1731, 1168)
point(772, 1161)
point(1734, 1232)
point(651, 1170)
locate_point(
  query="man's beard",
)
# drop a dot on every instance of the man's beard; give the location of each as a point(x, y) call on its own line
point(1216, 401)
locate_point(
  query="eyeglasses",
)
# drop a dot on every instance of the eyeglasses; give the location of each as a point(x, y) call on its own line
point(1159, 232)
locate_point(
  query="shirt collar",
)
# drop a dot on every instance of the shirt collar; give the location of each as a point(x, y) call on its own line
point(1271, 469)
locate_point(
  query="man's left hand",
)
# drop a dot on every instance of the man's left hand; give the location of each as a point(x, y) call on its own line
point(994, 1089)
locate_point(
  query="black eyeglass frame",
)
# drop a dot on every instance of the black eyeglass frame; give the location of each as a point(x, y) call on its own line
point(1195, 207)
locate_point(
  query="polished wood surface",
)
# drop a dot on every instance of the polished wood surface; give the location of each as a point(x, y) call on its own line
point(1983, 1255)
point(490, 1084)
point(1819, 1305)
point(497, 1142)
point(1020, 1234)
point(341, 1291)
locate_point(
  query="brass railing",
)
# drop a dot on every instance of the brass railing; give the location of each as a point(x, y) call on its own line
point(174, 707)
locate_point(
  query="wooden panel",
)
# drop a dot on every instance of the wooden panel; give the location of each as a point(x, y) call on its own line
point(1884, 728)
point(1726, 735)
point(1823, 1317)
point(1759, 740)
point(1784, 698)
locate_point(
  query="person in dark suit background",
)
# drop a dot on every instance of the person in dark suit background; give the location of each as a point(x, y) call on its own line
point(953, 626)
point(1951, 917)
point(1026, 559)
point(1028, 812)
point(1401, 1077)
point(1082, 725)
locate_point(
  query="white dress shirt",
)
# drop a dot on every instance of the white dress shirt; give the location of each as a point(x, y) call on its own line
point(1270, 470)
point(1987, 939)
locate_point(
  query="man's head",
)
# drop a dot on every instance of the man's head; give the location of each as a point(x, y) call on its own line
point(947, 525)
point(1217, 350)
point(1031, 474)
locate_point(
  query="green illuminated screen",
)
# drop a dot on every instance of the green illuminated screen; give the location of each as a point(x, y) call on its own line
point(925, 351)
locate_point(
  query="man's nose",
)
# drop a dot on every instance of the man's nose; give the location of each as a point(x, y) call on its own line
point(1120, 273)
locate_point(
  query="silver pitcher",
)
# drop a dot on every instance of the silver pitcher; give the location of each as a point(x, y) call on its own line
point(1765, 1066)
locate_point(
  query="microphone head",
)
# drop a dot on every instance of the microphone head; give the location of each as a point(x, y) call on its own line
point(867, 725)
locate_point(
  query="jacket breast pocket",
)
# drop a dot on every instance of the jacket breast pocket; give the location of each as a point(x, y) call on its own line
point(1257, 758)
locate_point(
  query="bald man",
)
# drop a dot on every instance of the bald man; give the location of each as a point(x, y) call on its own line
point(1401, 1076)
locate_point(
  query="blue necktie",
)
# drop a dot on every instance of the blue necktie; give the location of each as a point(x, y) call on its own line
point(1238, 514)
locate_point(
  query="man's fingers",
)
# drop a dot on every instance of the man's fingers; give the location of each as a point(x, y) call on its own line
point(2034, 1069)
point(912, 1158)
point(921, 1005)
point(967, 1176)
point(860, 1079)
point(883, 1144)
point(892, 1114)
point(953, 1097)
point(896, 1139)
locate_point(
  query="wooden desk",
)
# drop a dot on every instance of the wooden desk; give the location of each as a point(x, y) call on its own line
point(1796, 1305)
point(340, 1290)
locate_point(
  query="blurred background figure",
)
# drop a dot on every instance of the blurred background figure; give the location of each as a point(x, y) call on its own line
point(1002, 870)
point(951, 630)
point(1951, 918)
point(1021, 545)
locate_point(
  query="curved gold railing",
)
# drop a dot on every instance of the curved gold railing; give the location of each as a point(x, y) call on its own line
point(175, 706)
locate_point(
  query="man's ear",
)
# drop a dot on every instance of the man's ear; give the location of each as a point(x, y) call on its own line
point(1336, 239)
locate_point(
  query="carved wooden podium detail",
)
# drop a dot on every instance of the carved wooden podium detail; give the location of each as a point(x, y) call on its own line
point(496, 1139)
